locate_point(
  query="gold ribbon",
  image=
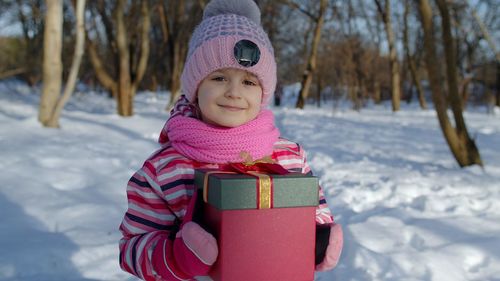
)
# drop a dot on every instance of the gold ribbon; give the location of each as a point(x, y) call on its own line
point(264, 193)
point(265, 190)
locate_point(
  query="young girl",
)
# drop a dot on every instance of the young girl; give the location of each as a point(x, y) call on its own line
point(228, 80)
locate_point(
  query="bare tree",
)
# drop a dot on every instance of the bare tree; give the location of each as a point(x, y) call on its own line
point(51, 102)
point(177, 20)
point(129, 68)
point(52, 64)
point(307, 77)
point(461, 145)
point(411, 59)
point(385, 12)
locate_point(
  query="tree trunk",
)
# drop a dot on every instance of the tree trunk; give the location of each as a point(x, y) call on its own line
point(319, 88)
point(52, 64)
point(411, 61)
point(462, 147)
point(470, 153)
point(176, 56)
point(175, 84)
point(311, 63)
point(497, 102)
point(376, 92)
point(124, 80)
point(143, 60)
point(363, 92)
point(353, 94)
point(464, 92)
point(393, 56)
point(102, 75)
point(75, 65)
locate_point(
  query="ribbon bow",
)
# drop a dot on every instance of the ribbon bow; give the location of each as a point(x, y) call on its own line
point(262, 165)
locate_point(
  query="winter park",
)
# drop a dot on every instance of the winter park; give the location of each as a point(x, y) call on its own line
point(108, 107)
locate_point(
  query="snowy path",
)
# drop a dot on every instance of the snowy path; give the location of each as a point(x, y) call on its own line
point(408, 211)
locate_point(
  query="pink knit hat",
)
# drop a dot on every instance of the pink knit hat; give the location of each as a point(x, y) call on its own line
point(229, 36)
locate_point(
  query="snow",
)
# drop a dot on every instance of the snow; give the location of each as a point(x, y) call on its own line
point(409, 212)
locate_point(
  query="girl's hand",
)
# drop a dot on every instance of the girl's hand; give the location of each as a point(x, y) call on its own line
point(195, 249)
point(333, 250)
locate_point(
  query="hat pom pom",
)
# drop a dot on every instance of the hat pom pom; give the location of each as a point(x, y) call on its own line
point(246, 8)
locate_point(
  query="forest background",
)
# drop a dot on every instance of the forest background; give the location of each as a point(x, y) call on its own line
point(441, 51)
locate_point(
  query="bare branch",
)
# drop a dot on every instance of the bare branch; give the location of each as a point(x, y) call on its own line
point(143, 61)
point(295, 5)
point(380, 9)
point(12, 72)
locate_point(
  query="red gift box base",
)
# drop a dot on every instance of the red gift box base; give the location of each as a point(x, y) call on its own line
point(263, 245)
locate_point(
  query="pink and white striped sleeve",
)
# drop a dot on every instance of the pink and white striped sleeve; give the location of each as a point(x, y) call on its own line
point(148, 225)
point(323, 213)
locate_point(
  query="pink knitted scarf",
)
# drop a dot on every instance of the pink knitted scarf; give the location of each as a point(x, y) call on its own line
point(206, 143)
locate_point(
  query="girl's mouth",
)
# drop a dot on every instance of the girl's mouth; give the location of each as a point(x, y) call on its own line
point(231, 108)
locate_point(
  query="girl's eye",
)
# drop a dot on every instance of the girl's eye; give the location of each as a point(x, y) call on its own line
point(250, 83)
point(218, 78)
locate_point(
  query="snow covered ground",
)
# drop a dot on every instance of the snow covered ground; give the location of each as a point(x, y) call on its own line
point(409, 212)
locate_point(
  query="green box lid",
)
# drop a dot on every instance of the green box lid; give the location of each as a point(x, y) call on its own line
point(239, 191)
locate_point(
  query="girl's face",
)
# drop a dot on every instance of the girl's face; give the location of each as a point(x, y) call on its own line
point(229, 97)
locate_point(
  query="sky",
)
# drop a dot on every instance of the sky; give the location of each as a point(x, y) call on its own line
point(408, 211)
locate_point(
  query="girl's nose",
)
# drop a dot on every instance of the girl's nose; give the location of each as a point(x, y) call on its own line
point(233, 90)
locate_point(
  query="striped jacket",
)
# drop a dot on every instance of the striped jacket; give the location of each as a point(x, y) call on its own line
point(160, 191)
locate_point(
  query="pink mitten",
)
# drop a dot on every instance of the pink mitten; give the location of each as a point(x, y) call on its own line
point(195, 250)
point(333, 250)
